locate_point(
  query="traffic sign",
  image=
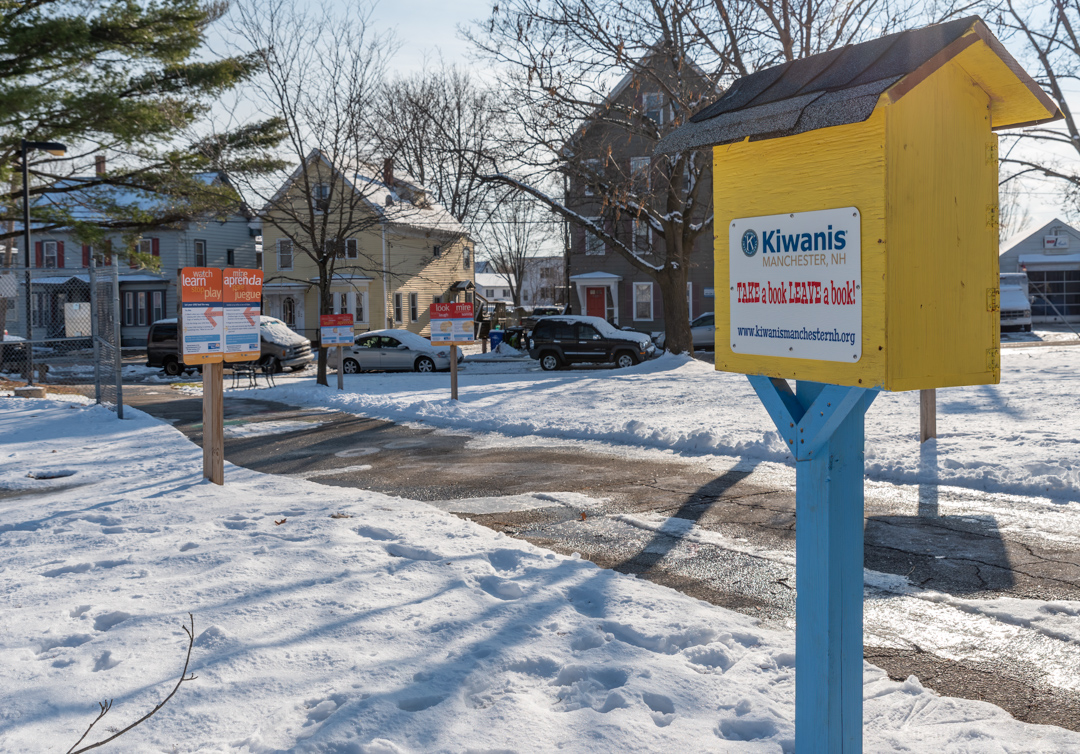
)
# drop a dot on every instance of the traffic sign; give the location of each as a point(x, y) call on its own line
point(242, 301)
point(203, 324)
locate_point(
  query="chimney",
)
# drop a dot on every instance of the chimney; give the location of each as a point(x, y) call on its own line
point(99, 164)
point(388, 172)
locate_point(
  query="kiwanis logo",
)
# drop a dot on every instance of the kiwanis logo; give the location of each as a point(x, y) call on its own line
point(749, 243)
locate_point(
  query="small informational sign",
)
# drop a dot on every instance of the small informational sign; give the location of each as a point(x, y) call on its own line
point(336, 330)
point(709, 293)
point(203, 319)
point(452, 324)
point(796, 285)
point(1055, 242)
point(242, 299)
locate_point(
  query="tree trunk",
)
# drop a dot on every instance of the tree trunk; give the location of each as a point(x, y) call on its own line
point(324, 308)
point(672, 282)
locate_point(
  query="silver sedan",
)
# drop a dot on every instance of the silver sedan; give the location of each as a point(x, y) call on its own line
point(394, 351)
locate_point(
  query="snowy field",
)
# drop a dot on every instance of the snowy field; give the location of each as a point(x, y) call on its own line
point(1020, 437)
point(393, 627)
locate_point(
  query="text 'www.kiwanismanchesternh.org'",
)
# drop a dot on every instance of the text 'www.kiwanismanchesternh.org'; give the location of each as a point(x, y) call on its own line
point(827, 336)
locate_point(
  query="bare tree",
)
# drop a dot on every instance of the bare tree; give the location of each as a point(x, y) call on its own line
point(560, 61)
point(1013, 213)
point(1049, 31)
point(433, 124)
point(515, 231)
point(320, 70)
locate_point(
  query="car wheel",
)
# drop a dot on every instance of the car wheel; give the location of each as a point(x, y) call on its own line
point(625, 359)
point(549, 361)
point(424, 364)
point(172, 366)
point(350, 366)
point(272, 365)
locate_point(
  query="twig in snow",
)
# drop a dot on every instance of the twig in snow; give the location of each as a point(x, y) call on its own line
point(107, 704)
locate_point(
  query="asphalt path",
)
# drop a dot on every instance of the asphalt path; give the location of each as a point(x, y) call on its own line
point(718, 531)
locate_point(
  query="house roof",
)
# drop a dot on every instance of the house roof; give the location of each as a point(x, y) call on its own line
point(83, 198)
point(409, 206)
point(844, 86)
point(1024, 235)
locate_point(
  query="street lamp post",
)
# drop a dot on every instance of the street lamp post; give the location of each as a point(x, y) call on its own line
point(55, 149)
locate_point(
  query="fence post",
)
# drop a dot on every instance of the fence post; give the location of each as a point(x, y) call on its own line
point(117, 361)
point(95, 328)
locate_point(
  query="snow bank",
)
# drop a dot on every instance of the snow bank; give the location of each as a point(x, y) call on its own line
point(399, 628)
point(1011, 437)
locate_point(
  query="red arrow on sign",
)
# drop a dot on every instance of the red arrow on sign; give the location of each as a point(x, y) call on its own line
point(251, 313)
point(211, 314)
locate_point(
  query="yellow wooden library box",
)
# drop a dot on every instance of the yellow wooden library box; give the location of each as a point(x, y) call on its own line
point(856, 211)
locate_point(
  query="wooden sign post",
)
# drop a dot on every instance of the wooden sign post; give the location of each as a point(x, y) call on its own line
point(452, 324)
point(336, 331)
point(220, 322)
point(855, 194)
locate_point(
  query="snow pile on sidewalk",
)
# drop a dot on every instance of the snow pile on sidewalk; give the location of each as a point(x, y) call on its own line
point(398, 629)
point(1013, 437)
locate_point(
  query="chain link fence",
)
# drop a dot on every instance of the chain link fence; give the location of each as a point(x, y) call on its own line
point(62, 331)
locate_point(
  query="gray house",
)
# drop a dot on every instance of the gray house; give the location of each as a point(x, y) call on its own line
point(145, 295)
point(1051, 257)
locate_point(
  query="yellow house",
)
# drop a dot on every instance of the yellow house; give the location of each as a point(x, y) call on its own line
point(856, 211)
point(388, 248)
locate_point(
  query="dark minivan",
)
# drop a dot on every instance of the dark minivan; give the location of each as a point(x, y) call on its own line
point(567, 339)
point(281, 347)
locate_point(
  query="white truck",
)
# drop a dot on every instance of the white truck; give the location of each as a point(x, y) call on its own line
point(1015, 302)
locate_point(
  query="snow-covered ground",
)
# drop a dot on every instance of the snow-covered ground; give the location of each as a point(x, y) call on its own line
point(1017, 437)
point(365, 623)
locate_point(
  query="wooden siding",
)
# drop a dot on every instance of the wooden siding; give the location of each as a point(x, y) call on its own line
point(941, 234)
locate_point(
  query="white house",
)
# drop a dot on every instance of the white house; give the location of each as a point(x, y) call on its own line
point(1051, 257)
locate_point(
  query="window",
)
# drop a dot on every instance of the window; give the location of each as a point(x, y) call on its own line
point(361, 306)
point(653, 105)
point(690, 300)
point(129, 308)
point(397, 307)
point(351, 249)
point(639, 170)
point(642, 236)
point(588, 332)
point(414, 307)
point(320, 195)
point(590, 170)
point(164, 333)
point(436, 251)
point(643, 301)
point(343, 303)
point(230, 257)
point(288, 311)
point(200, 253)
point(258, 257)
point(594, 245)
point(140, 298)
point(158, 304)
point(489, 293)
point(466, 258)
point(49, 249)
point(284, 257)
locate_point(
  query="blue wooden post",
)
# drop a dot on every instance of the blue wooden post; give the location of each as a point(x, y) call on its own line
point(823, 427)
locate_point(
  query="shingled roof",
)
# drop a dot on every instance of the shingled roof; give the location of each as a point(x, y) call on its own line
point(840, 86)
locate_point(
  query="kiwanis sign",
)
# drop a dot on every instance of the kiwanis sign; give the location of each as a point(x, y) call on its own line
point(796, 285)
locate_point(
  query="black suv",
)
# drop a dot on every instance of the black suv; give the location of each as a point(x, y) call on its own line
point(560, 341)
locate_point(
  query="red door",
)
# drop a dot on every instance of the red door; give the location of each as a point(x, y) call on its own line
point(596, 302)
